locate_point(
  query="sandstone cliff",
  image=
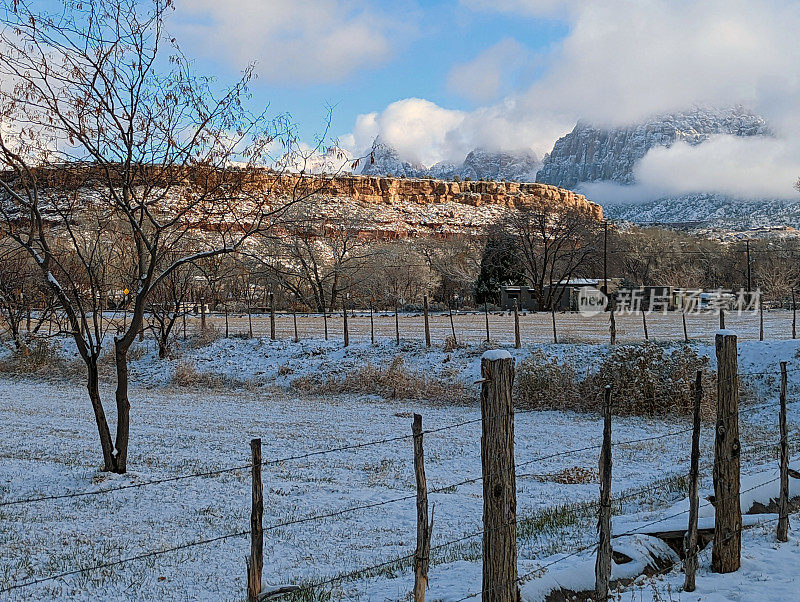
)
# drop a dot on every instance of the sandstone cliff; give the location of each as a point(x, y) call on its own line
point(419, 207)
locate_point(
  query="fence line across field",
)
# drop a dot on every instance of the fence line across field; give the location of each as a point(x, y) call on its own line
point(371, 443)
point(332, 514)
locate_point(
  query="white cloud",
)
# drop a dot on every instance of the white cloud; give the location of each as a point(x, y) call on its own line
point(293, 41)
point(626, 60)
point(481, 79)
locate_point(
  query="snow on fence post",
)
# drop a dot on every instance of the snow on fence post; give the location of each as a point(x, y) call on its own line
point(255, 562)
point(424, 529)
point(602, 568)
point(427, 323)
point(271, 315)
point(690, 542)
point(517, 336)
point(783, 500)
point(499, 480)
point(726, 554)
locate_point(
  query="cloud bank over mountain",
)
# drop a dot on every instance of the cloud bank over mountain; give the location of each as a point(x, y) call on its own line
point(623, 62)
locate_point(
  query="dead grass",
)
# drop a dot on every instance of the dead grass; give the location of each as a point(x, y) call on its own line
point(42, 358)
point(394, 381)
point(646, 380)
point(205, 336)
point(185, 374)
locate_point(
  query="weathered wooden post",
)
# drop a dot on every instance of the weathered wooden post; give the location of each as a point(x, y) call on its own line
point(325, 322)
point(396, 324)
point(690, 542)
point(294, 319)
point(613, 323)
point(783, 500)
point(721, 319)
point(602, 567)
point(427, 324)
point(202, 313)
point(424, 529)
point(346, 329)
point(486, 315)
point(760, 317)
point(499, 480)
point(517, 335)
point(553, 316)
point(255, 562)
point(452, 324)
point(271, 316)
point(726, 554)
point(794, 316)
point(644, 325)
point(372, 320)
point(685, 330)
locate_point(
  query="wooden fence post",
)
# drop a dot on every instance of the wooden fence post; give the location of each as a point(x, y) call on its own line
point(794, 316)
point(452, 324)
point(726, 555)
point(690, 542)
point(202, 313)
point(371, 321)
point(783, 500)
point(294, 319)
point(255, 562)
point(760, 317)
point(613, 322)
point(271, 316)
point(602, 568)
point(325, 322)
point(427, 324)
point(424, 529)
point(499, 479)
point(346, 329)
point(396, 324)
point(553, 315)
point(721, 319)
point(486, 315)
point(644, 325)
point(685, 330)
point(517, 335)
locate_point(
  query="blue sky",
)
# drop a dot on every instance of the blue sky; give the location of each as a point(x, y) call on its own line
point(438, 36)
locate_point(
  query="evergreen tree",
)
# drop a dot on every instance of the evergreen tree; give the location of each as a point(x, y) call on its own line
point(500, 265)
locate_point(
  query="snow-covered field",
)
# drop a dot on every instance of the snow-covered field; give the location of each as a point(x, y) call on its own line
point(48, 447)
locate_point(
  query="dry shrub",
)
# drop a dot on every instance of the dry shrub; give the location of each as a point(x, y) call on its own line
point(648, 380)
point(186, 375)
point(41, 357)
point(394, 381)
point(542, 382)
point(205, 336)
point(451, 344)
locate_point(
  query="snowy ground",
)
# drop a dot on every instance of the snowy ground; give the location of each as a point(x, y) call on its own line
point(48, 446)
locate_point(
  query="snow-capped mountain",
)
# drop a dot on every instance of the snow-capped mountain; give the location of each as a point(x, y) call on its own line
point(519, 166)
point(334, 160)
point(589, 154)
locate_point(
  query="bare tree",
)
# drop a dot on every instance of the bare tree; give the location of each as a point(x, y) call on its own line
point(110, 139)
point(555, 243)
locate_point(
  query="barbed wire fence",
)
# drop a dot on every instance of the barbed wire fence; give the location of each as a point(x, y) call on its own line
point(441, 489)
